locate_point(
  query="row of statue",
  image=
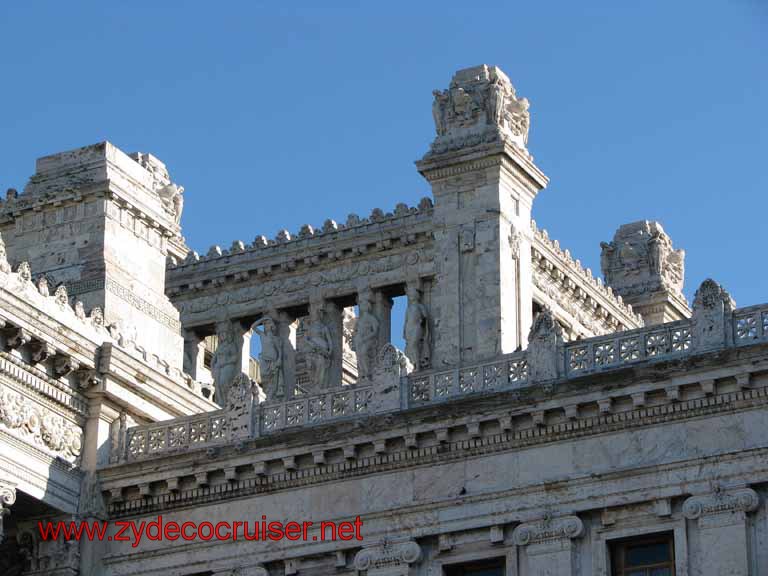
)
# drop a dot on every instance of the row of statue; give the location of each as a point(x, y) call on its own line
point(319, 348)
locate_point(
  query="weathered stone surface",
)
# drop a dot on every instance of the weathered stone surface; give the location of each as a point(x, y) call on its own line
point(534, 417)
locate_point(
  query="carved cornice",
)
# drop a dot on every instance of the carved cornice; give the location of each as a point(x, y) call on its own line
point(448, 451)
point(721, 502)
point(255, 293)
point(548, 530)
point(388, 557)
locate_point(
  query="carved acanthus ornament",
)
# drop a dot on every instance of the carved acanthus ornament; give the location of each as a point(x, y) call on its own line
point(479, 107)
point(388, 558)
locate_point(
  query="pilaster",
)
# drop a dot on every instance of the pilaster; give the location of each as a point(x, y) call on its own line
point(484, 183)
point(548, 544)
point(721, 517)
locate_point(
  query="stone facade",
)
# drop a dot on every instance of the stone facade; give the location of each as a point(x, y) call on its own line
point(540, 421)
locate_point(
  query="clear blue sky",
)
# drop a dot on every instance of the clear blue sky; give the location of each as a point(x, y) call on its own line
point(276, 114)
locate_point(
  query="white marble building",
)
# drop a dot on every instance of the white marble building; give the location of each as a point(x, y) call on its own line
point(541, 421)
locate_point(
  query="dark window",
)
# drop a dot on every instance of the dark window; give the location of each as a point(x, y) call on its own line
point(494, 567)
point(652, 555)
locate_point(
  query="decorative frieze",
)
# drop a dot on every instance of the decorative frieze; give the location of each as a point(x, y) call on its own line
point(41, 425)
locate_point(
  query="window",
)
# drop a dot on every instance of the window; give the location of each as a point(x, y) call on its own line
point(494, 567)
point(644, 556)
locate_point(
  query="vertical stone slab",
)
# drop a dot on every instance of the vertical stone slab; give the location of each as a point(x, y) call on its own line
point(484, 183)
point(722, 524)
point(548, 544)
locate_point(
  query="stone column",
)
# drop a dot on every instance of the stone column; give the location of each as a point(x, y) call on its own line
point(7, 499)
point(383, 309)
point(722, 525)
point(484, 183)
point(548, 544)
point(388, 558)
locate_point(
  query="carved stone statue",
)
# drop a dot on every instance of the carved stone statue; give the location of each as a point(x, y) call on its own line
point(319, 349)
point(366, 339)
point(641, 258)
point(416, 330)
point(226, 363)
point(173, 202)
point(480, 107)
point(438, 111)
point(270, 358)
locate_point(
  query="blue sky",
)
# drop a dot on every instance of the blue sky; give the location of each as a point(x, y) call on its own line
point(276, 114)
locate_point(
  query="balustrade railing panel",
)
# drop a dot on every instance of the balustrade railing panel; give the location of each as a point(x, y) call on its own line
point(672, 340)
point(620, 348)
point(500, 374)
point(750, 325)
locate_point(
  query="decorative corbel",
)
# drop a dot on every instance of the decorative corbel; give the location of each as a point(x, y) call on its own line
point(63, 365)
point(17, 338)
point(41, 351)
point(87, 378)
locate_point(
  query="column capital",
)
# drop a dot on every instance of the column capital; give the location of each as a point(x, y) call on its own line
point(388, 558)
point(721, 502)
point(548, 530)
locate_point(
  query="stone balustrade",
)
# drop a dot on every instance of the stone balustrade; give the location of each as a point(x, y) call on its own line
point(673, 340)
point(506, 373)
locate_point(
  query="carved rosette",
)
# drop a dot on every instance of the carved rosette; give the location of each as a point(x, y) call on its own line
point(548, 530)
point(388, 558)
point(721, 502)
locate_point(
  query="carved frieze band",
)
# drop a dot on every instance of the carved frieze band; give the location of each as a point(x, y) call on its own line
point(83, 286)
point(304, 282)
point(548, 530)
point(721, 502)
point(388, 557)
point(40, 425)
